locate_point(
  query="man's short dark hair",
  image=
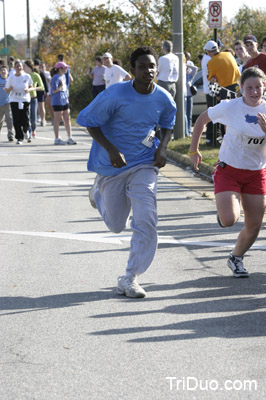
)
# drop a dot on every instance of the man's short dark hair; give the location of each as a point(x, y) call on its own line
point(98, 58)
point(239, 42)
point(60, 57)
point(140, 51)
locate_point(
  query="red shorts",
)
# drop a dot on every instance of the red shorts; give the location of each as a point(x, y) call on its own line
point(230, 179)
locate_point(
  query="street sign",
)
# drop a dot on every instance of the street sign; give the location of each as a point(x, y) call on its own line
point(215, 14)
point(4, 51)
point(28, 52)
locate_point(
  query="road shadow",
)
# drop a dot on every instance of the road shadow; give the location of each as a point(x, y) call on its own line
point(243, 314)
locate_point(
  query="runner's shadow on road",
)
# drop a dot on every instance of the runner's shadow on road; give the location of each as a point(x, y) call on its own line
point(209, 298)
point(214, 286)
point(95, 251)
point(246, 325)
point(22, 304)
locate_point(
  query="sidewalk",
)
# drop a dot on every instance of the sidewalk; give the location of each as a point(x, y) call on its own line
point(65, 333)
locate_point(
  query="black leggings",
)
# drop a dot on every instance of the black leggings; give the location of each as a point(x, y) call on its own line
point(20, 119)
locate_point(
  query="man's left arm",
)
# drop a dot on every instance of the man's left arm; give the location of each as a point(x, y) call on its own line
point(160, 155)
point(127, 78)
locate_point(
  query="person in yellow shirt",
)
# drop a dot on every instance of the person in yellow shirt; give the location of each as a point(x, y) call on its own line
point(222, 68)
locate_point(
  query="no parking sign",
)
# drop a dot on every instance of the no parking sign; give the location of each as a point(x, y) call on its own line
point(215, 14)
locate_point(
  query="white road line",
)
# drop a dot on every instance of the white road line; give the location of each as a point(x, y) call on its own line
point(119, 239)
point(51, 182)
point(70, 183)
point(51, 154)
point(85, 237)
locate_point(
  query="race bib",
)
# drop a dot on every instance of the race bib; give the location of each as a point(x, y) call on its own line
point(149, 139)
point(254, 142)
point(18, 94)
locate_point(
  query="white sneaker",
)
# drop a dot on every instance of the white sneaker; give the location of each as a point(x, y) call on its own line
point(91, 198)
point(71, 141)
point(92, 190)
point(59, 142)
point(19, 141)
point(130, 287)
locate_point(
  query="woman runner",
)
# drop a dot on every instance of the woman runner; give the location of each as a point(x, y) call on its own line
point(240, 174)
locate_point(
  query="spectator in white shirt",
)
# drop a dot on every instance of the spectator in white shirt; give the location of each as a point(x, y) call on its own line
point(113, 73)
point(168, 69)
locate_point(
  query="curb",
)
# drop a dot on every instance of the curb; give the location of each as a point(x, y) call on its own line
point(185, 161)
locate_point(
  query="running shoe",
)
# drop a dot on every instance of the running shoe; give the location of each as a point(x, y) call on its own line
point(236, 265)
point(91, 197)
point(129, 287)
point(71, 141)
point(92, 191)
point(59, 142)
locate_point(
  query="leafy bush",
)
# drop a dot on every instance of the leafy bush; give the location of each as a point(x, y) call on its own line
point(80, 94)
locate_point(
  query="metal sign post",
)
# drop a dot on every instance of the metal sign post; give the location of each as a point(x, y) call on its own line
point(179, 128)
point(215, 22)
point(5, 50)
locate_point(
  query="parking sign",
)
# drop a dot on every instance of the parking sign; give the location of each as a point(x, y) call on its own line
point(215, 14)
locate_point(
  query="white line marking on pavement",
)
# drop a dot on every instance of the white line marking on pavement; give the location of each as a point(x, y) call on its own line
point(60, 182)
point(119, 239)
point(51, 182)
point(52, 154)
point(84, 237)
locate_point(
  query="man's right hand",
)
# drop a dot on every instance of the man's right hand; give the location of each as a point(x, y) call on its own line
point(117, 159)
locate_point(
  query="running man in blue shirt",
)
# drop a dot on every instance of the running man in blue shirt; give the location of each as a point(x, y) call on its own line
point(126, 156)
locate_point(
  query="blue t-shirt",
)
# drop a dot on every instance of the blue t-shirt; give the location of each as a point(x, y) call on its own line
point(126, 118)
point(60, 98)
point(4, 97)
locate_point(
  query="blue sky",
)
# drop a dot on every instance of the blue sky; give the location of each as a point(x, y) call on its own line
point(16, 21)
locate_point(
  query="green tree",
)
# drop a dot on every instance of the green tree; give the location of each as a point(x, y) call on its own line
point(152, 23)
point(81, 33)
point(11, 44)
point(248, 21)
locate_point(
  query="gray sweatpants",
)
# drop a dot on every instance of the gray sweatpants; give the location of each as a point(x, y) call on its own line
point(116, 195)
point(5, 111)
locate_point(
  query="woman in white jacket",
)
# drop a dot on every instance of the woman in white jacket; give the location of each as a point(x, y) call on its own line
point(19, 85)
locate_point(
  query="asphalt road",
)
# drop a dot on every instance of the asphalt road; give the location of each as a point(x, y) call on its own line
point(64, 332)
